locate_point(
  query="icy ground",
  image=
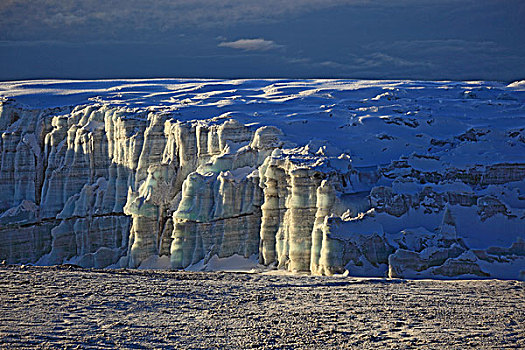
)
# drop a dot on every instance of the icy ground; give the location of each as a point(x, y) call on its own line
point(64, 307)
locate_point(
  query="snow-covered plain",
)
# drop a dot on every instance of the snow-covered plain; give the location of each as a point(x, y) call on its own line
point(63, 307)
point(397, 178)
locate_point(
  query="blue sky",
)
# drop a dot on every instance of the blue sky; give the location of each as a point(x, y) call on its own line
point(374, 39)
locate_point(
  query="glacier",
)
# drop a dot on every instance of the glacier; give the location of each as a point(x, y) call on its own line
point(405, 179)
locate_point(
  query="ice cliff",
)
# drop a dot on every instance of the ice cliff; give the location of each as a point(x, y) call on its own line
point(389, 178)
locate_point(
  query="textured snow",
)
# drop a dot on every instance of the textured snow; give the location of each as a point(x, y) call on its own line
point(324, 109)
point(60, 307)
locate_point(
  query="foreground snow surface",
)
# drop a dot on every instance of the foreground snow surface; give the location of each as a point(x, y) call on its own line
point(62, 307)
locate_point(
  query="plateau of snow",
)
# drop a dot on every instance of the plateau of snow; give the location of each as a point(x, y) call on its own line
point(407, 179)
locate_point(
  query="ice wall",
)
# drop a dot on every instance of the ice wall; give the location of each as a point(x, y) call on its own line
point(101, 184)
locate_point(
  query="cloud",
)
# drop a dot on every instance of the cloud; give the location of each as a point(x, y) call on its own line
point(251, 44)
point(61, 20)
point(418, 39)
point(459, 59)
point(375, 60)
point(450, 46)
point(120, 19)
